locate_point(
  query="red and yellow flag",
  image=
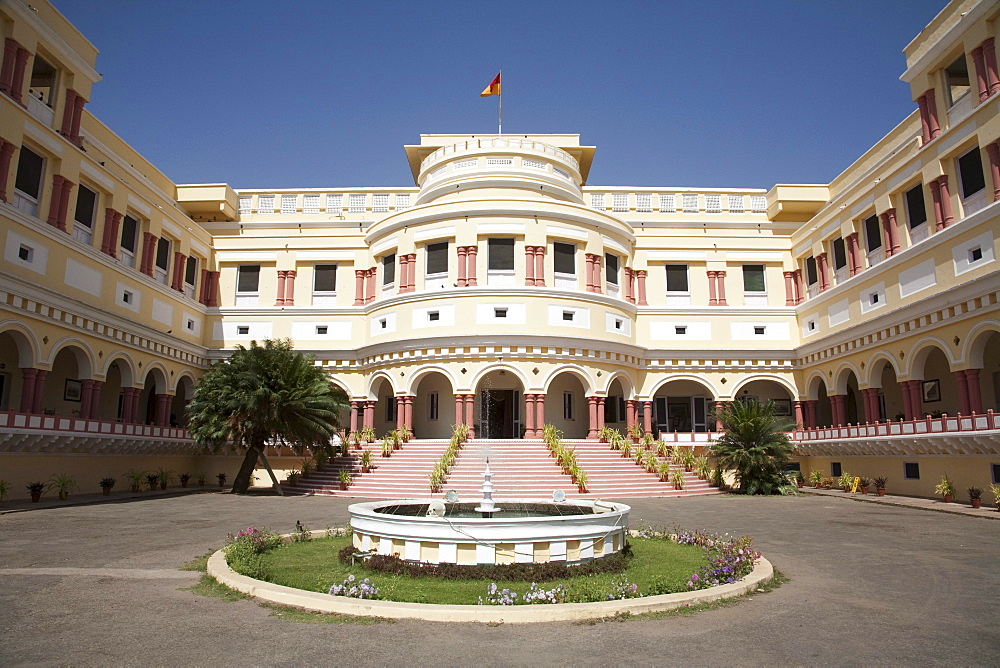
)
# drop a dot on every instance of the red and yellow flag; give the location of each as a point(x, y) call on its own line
point(493, 88)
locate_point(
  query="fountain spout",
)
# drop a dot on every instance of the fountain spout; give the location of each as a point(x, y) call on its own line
point(487, 506)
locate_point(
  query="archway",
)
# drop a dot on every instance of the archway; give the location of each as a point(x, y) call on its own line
point(385, 418)
point(764, 390)
point(111, 405)
point(938, 393)
point(179, 404)
point(984, 358)
point(614, 406)
point(15, 354)
point(683, 405)
point(890, 394)
point(566, 405)
point(156, 384)
point(63, 394)
point(499, 395)
point(433, 406)
point(820, 403)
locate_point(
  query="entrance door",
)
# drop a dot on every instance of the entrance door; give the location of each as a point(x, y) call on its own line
point(499, 414)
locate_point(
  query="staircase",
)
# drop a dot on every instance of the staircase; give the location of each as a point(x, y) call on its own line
point(521, 469)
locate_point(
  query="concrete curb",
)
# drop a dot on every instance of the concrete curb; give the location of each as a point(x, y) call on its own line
point(518, 614)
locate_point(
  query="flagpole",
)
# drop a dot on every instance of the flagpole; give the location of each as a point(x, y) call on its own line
point(500, 119)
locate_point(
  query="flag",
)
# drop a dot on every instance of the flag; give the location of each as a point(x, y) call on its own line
point(493, 88)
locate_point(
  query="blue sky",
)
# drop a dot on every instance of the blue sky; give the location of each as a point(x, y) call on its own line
point(325, 94)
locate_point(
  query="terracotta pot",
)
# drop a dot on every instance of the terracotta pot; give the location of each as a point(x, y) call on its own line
point(864, 490)
point(583, 490)
point(880, 490)
point(688, 469)
point(365, 469)
point(163, 485)
point(801, 485)
point(976, 503)
point(184, 483)
point(222, 484)
point(106, 490)
point(817, 485)
point(63, 496)
point(343, 486)
point(36, 497)
point(948, 498)
point(134, 488)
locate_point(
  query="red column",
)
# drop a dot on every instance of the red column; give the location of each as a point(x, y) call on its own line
point(6, 156)
point(925, 124)
point(932, 116)
point(204, 287)
point(39, 391)
point(354, 416)
point(179, 265)
point(214, 293)
point(66, 129)
point(280, 299)
point(290, 287)
point(64, 193)
point(979, 61)
point(800, 289)
point(915, 399)
point(600, 412)
point(400, 411)
point(946, 213)
point(856, 245)
point(459, 409)
point(359, 287)
point(470, 414)
point(810, 413)
point(411, 282)
point(78, 103)
point(529, 265)
point(629, 297)
point(163, 409)
point(975, 393)
point(470, 269)
point(540, 266)
point(28, 377)
point(890, 232)
point(719, 407)
point(936, 198)
point(647, 416)
point(95, 399)
point(54, 199)
point(17, 84)
point(408, 406)
point(990, 52)
point(148, 249)
point(370, 290)
point(963, 392)
point(128, 408)
point(591, 418)
point(852, 261)
point(824, 273)
point(463, 254)
point(908, 411)
point(630, 413)
point(640, 275)
point(720, 280)
point(529, 416)
point(87, 389)
point(713, 299)
point(539, 412)
point(590, 271)
point(135, 403)
point(993, 151)
point(107, 239)
point(866, 396)
point(404, 273)
point(368, 416)
point(789, 288)
point(10, 48)
point(799, 416)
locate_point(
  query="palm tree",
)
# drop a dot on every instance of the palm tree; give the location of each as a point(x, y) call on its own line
point(754, 445)
point(263, 394)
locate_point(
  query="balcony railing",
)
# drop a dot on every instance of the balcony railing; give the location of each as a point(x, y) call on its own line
point(945, 424)
point(75, 425)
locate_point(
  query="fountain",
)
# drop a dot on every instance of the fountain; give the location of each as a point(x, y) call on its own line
point(528, 531)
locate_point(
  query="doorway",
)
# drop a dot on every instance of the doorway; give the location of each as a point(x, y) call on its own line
point(499, 413)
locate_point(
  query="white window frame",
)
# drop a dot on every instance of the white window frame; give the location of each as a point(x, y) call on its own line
point(325, 297)
point(247, 298)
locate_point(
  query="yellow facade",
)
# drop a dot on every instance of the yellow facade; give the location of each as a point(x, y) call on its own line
point(498, 289)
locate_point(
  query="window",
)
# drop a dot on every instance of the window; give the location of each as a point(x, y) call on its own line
point(390, 408)
point(975, 254)
point(389, 269)
point(611, 269)
point(759, 330)
point(130, 234)
point(677, 278)
point(324, 285)
point(127, 296)
point(567, 405)
point(836, 470)
point(873, 233)
point(162, 259)
point(432, 406)
point(812, 277)
point(500, 313)
point(680, 330)
point(956, 79)
point(437, 258)
point(735, 203)
point(243, 330)
point(433, 316)
point(970, 173)
point(190, 275)
point(567, 316)
point(758, 204)
point(25, 253)
point(28, 182)
point(619, 323)
point(911, 470)
point(383, 323)
point(322, 329)
point(811, 325)
point(916, 213)
point(753, 278)
point(873, 298)
point(247, 284)
point(995, 469)
point(839, 253)
point(245, 204)
point(564, 258)
point(501, 254)
point(86, 211)
point(334, 203)
point(43, 81)
point(189, 324)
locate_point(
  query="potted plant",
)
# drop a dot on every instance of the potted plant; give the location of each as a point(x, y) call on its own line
point(864, 483)
point(626, 450)
point(880, 482)
point(816, 478)
point(405, 434)
point(976, 496)
point(307, 468)
point(4, 489)
point(107, 484)
point(635, 432)
point(386, 449)
point(63, 483)
point(221, 477)
point(702, 467)
point(650, 461)
point(827, 483)
point(135, 477)
point(688, 458)
point(152, 479)
point(664, 470)
point(845, 481)
point(367, 434)
point(165, 477)
point(184, 478)
point(678, 479)
point(946, 488)
point(366, 461)
point(202, 479)
point(995, 491)
point(800, 479)
point(345, 479)
point(292, 477)
point(581, 480)
point(436, 479)
point(35, 489)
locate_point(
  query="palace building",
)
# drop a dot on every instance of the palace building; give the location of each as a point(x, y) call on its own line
point(503, 290)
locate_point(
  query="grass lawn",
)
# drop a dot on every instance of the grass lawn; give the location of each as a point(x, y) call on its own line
point(658, 567)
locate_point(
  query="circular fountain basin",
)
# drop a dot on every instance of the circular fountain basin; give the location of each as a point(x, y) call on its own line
point(523, 531)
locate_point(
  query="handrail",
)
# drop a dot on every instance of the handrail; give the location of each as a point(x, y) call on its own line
point(78, 425)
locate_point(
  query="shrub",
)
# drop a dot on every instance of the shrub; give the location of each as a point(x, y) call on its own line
point(729, 559)
point(245, 549)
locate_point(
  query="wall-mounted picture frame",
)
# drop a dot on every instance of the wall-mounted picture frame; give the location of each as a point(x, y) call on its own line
point(931, 391)
point(73, 390)
point(783, 407)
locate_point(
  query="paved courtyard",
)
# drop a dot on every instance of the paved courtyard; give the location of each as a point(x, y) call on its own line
point(98, 584)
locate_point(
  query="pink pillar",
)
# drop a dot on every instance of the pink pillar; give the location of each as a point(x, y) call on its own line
point(539, 412)
point(64, 193)
point(56, 194)
point(980, 63)
point(529, 265)
point(17, 84)
point(404, 274)
point(640, 275)
point(162, 414)
point(10, 47)
point(470, 414)
point(290, 287)
point(462, 256)
point(908, 411)
point(631, 414)
point(589, 274)
point(799, 416)
point(811, 413)
point(824, 273)
point(412, 282)
point(280, 301)
point(128, 408)
point(975, 393)
point(946, 213)
point(529, 416)
point(600, 412)
point(936, 198)
point(354, 416)
point(990, 53)
point(629, 276)
point(95, 398)
point(368, 416)
point(719, 407)
point(800, 290)
point(993, 151)
point(359, 287)
point(839, 405)
point(459, 409)
point(963, 392)
point(28, 377)
point(540, 266)
point(400, 411)
point(6, 157)
point(106, 237)
point(866, 396)
point(856, 246)
point(470, 270)
point(409, 413)
point(925, 124)
point(720, 279)
point(74, 134)
point(370, 285)
point(647, 416)
point(66, 130)
point(87, 389)
point(36, 402)
point(932, 116)
point(713, 299)
point(916, 402)
point(890, 233)
point(592, 417)
point(789, 288)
